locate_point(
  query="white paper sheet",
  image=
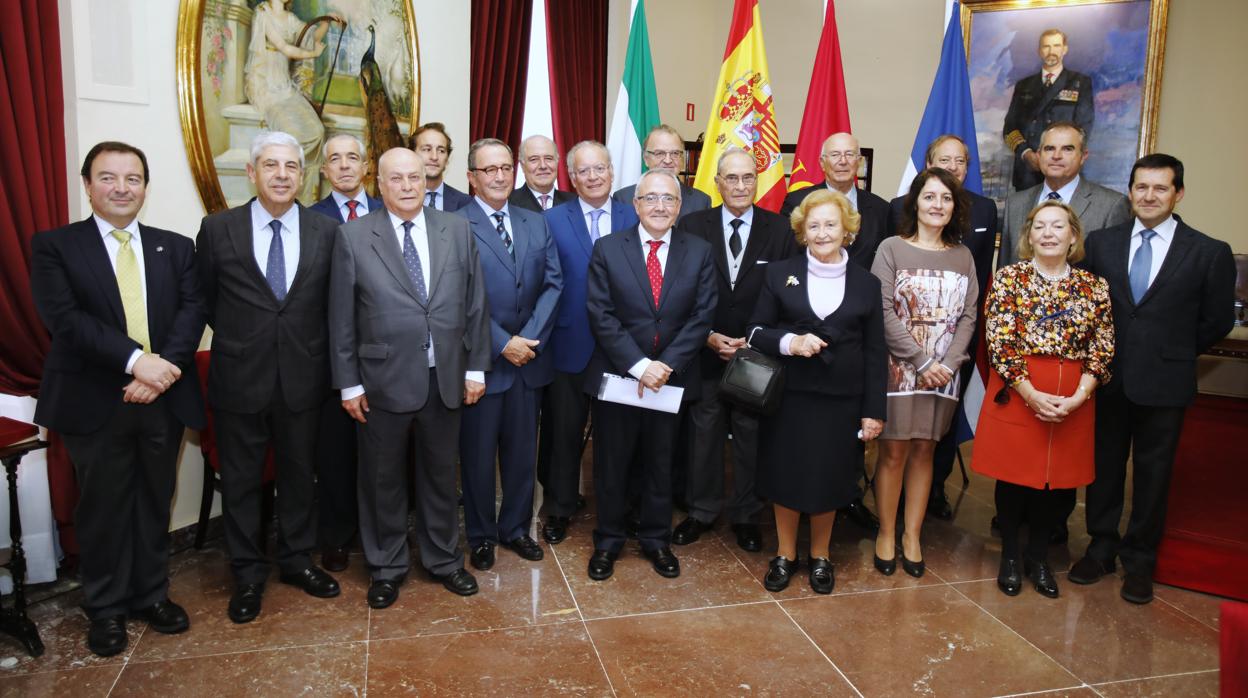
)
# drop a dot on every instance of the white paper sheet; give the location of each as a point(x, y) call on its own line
point(623, 390)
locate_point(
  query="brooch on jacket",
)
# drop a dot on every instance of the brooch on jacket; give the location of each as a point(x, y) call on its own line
point(792, 281)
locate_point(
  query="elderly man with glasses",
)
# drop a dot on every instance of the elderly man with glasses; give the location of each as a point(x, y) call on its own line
point(664, 150)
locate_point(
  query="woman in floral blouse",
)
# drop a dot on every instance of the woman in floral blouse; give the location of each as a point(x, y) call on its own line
point(1050, 339)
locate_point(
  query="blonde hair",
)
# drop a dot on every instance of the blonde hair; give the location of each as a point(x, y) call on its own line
point(1075, 254)
point(850, 219)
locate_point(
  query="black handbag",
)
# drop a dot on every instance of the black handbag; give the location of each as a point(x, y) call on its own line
point(753, 381)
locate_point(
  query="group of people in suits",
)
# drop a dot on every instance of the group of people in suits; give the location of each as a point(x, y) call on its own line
point(374, 348)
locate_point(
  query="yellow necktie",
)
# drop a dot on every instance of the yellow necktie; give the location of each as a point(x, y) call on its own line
point(131, 287)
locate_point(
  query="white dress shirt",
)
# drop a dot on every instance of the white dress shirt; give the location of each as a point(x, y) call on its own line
point(747, 219)
point(489, 215)
point(640, 367)
point(262, 238)
point(420, 239)
point(1160, 244)
point(1066, 192)
point(113, 246)
point(604, 221)
point(537, 196)
point(439, 201)
point(344, 210)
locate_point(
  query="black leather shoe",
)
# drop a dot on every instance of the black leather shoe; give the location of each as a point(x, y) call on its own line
point(314, 581)
point(335, 559)
point(460, 582)
point(383, 592)
point(107, 636)
point(689, 530)
point(861, 515)
point(1042, 577)
point(821, 577)
point(482, 555)
point(912, 568)
point(555, 529)
point(1089, 569)
point(885, 567)
point(245, 602)
point(1137, 588)
point(665, 563)
point(1059, 535)
point(779, 573)
point(938, 506)
point(601, 565)
point(164, 617)
point(526, 548)
point(1009, 578)
point(749, 537)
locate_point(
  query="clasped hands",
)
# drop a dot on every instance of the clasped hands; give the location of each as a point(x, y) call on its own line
point(152, 377)
point(520, 351)
point(723, 345)
point(936, 375)
point(1052, 408)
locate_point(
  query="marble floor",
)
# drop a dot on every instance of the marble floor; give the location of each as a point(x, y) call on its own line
point(544, 628)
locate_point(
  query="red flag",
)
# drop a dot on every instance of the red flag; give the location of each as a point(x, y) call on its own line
point(827, 110)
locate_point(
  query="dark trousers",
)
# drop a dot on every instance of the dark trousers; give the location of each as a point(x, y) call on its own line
point(503, 425)
point(1150, 436)
point(243, 441)
point(1039, 509)
point(620, 433)
point(704, 490)
point(560, 474)
point(126, 471)
point(336, 462)
point(432, 434)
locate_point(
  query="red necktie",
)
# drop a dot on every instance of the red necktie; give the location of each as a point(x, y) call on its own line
point(1048, 79)
point(351, 214)
point(655, 271)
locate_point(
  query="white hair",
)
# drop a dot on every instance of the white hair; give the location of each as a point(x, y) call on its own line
point(264, 139)
point(359, 145)
point(586, 144)
point(730, 150)
point(658, 173)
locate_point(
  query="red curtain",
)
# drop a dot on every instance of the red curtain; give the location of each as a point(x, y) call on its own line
point(577, 49)
point(500, 63)
point(33, 197)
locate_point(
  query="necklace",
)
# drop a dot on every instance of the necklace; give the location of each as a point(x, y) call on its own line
point(1065, 272)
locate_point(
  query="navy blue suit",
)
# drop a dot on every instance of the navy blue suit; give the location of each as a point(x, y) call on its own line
point(628, 327)
point(451, 199)
point(336, 452)
point(566, 409)
point(522, 292)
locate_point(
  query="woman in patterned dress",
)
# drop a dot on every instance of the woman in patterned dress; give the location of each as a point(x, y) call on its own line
point(927, 280)
point(1050, 335)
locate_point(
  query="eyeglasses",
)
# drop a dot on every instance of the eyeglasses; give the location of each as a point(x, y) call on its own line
point(493, 170)
point(838, 154)
point(733, 180)
point(592, 169)
point(664, 154)
point(655, 199)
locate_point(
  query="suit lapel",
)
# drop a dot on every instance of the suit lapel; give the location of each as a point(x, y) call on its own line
point(675, 260)
point(1082, 198)
point(637, 262)
point(238, 228)
point(1059, 84)
point(387, 248)
point(580, 228)
point(439, 251)
point(713, 233)
point(95, 254)
point(487, 236)
point(1179, 247)
point(156, 272)
point(520, 236)
point(753, 247)
point(309, 244)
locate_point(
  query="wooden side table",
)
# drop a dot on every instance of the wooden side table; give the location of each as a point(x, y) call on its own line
point(18, 441)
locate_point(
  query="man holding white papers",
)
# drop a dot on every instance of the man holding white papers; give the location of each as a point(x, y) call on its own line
point(651, 299)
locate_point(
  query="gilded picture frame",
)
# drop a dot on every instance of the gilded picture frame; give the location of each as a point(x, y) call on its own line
point(1116, 46)
point(318, 69)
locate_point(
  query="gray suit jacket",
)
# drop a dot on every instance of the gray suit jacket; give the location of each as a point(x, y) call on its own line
point(379, 329)
point(1097, 207)
point(690, 199)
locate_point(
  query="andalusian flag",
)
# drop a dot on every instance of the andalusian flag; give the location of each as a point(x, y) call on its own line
point(742, 112)
point(637, 106)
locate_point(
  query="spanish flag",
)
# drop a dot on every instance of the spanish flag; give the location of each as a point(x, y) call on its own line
point(743, 113)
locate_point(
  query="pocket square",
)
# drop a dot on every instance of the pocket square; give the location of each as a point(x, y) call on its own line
point(761, 261)
point(980, 230)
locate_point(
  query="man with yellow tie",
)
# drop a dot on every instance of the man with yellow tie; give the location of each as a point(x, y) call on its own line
point(123, 305)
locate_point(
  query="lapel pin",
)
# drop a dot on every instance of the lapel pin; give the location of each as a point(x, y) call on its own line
point(792, 281)
point(160, 248)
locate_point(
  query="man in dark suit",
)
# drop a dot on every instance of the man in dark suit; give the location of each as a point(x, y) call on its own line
point(839, 159)
point(265, 272)
point(343, 166)
point(410, 338)
point(520, 266)
point(1063, 152)
point(743, 239)
point(1054, 94)
point(433, 144)
point(664, 150)
point(123, 305)
point(950, 153)
point(539, 158)
point(1172, 289)
point(575, 227)
point(651, 299)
